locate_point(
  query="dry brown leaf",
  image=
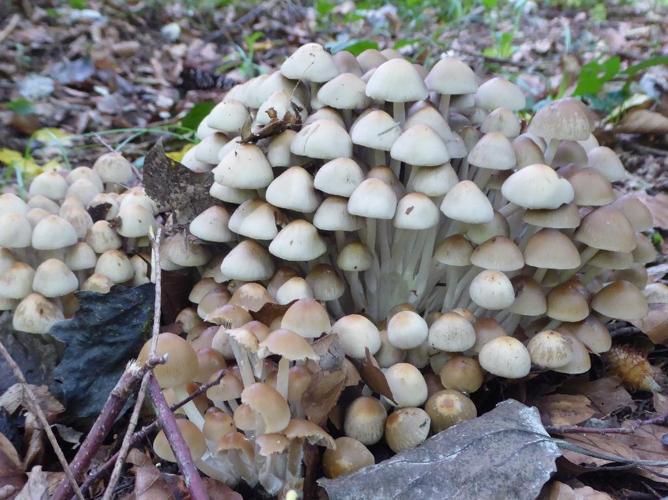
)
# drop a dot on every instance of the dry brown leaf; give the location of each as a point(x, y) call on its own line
point(12, 477)
point(565, 409)
point(37, 487)
point(322, 394)
point(655, 324)
point(561, 491)
point(374, 377)
point(15, 398)
point(149, 483)
point(269, 312)
point(643, 121)
point(658, 207)
point(220, 491)
point(9, 450)
point(329, 351)
point(660, 403)
point(606, 394)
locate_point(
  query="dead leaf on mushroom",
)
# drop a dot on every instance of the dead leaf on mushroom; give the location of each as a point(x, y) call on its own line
point(322, 394)
point(565, 409)
point(374, 377)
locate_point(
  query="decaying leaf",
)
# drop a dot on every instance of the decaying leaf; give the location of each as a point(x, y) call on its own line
point(269, 312)
point(15, 397)
point(175, 188)
point(374, 377)
point(607, 394)
point(37, 487)
point(561, 491)
point(655, 323)
point(220, 491)
point(505, 453)
point(565, 409)
point(330, 352)
point(322, 394)
point(291, 121)
point(107, 330)
point(12, 477)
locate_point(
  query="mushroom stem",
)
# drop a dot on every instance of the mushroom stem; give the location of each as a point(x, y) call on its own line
point(294, 465)
point(282, 377)
point(539, 274)
point(356, 289)
point(218, 470)
point(189, 408)
point(399, 112)
point(551, 150)
point(378, 157)
point(462, 285)
point(243, 362)
point(444, 105)
point(384, 244)
point(425, 263)
point(554, 323)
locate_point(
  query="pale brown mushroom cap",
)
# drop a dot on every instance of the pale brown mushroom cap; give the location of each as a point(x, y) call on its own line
point(406, 428)
point(287, 344)
point(551, 249)
point(620, 300)
point(54, 279)
point(304, 429)
point(505, 357)
point(451, 76)
point(365, 420)
point(181, 365)
point(462, 374)
point(396, 80)
point(451, 332)
point(35, 314)
point(349, 456)
point(310, 62)
point(356, 333)
point(217, 423)
point(306, 317)
point(499, 92)
point(269, 405)
point(565, 119)
point(271, 444)
point(192, 436)
point(549, 349)
point(568, 302)
point(606, 228)
point(447, 408)
point(498, 254)
point(529, 297)
point(251, 296)
point(407, 384)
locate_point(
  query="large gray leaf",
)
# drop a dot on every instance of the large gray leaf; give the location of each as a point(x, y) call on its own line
point(505, 453)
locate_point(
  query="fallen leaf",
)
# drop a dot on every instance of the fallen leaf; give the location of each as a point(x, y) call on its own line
point(373, 376)
point(322, 394)
point(9, 451)
point(269, 312)
point(505, 453)
point(107, 330)
point(643, 121)
point(565, 409)
point(330, 352)
point(37, 487)
point(15, 397)
point(12, 477)
point(655, 323)
point(561, 491)
point(607, 394)
point(173, 187)
point(220, 491)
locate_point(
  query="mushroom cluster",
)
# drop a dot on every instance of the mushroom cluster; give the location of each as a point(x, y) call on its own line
point(413, 215)
point(51, 245)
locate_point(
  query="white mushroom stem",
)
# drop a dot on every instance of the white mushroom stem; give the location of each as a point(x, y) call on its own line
point(356, 289)
point(444, 105)
point(216, 468)
point(282, 377)
point(539, 274)
point(378, 157)
point(294, 466)
point(464, 169)
point(384, 244)
point(554, 323)
point(189, 408)
point(371, 235)
point(462, 286)
point(243, 362)
point(585, 256)
point(552, 146)
point(399, 112)
point(422, 277)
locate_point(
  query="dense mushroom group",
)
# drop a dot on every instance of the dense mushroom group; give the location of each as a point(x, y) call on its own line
point(410, 213)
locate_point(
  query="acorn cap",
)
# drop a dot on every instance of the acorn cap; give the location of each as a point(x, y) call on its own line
point(447, 408)
point(355, 332)
point(293, 190)
point(549, 349)
point(547, 189)
point(396, 80)
point(466, 203)
point(551, 249)
point(54, 279)
point(499, 92)
point(451, 332)
point(306, 317)
point(298, 241)
point(594, 230)
point(348, 456)
point(310, 62)
point(322, 139)
point(451, 76)
point(192, 436)
point(53, 233)
point(181, 365)
point(269, 405)
point(492, 290)
point(248, 261)
point(565, 119)
point(505, 357)
point(339, 176)
point(375, 129)
point(406, 428)
point(620, 300)
point(35, 314)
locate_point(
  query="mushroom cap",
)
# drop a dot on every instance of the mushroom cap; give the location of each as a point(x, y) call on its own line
point(269, 405)
point(365, 420)
point(548, 190)
point(505, 357)
point(248, 261)
point(635, 211)
point(211, 225)
point(620, 300)
point(306, 317)
point(406, 428)
point(181, 365)
point(396, 80)
point(217, 423)
point(549, 349)
point(447, 408)
point(53, 233)
point(322, 139)
point(454, 250)
point(254, 219)
point(499, 92)
point(592, 332)
point(229, 388)
point(504, 121)
point(606, 161)
point(452, 333)
point(416, 211)
point(465, 202)
point(606, 228)
point(325, 283)
point(462, 374)
point(406, 384)
point(590, 187)
point(244, 166)
point(115, 265)
point(407, 330)
point(451, 76)
point(498, 254)
point(529, 297)
point(348, 456)
point(493, 151)
point(54, 279)
point(298, 241)
point(333, 215)
point(486, 329)
point(80, 257)
point(287, 344)
point(251, 296)
point(345, 91)
point(568, 302)
point(580, 362)
point(551, 249)
point(113, 167)
point(16, 229)
point(293, 190)
point(375, 129)
point(304, 429)
point(347, 63)
point(433, 181)
point(295, 288)
point(192, 436)
point(310, 62)
point(565, 119)
point(339, 177)
point(356, 333)
point(421, 146)
point(373, 198)
point(135, 220)
point(492, 290)
point(101, 236)
point(564, 217)
point(98, 283)
point(35, 314)
point(228, 116)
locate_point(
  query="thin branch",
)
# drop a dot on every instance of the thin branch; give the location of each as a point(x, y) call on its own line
point(36, 409)
point(180, 448)
point(146, 431)
point(6, 31)
point(632, 426)
point(134, 418)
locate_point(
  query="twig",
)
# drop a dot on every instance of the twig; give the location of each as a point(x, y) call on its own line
point(134, 418)
point(146, 431)
point(180, 448)
point(36, 409)
point(110, 411)
point(6, 31)
point(633, 425)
